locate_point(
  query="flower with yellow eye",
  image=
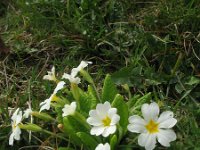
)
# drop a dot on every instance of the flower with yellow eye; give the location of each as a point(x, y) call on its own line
point(153, 127)
point(47, 103)
point(72, 77)
point(51, 75)
point(104, 120)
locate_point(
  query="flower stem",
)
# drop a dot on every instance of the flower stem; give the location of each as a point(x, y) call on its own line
point(55, 135)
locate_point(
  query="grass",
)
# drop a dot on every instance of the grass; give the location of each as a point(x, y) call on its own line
point(156, 43)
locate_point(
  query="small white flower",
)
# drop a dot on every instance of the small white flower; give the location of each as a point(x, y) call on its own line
point(51, 75)
point(69, 109)
point(153, 127)
point(103, 120)
point(72, 77)
point(47, 103)
point(103, 147)
point(16, 131)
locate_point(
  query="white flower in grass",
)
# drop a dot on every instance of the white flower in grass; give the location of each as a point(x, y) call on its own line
point(16, 131)
point(153, 127)
point(51, 75)
point(103, 147)
point(103, 120)
point(47, 103)
point(72, 77)
point(69, 109)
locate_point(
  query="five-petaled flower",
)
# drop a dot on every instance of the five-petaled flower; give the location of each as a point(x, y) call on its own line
point(72, 77)
point(69, 109)
point(153, 127)
point(103, 120)
point(16, 131)
point(51, 75)
point(105, 146)
point(47, 103)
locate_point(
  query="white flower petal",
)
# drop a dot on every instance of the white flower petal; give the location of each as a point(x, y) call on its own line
point(109, 130)
point(66, 76)
point(17, 132)
point(74, 72)
point(102, 109)
point(135, 119)
point(103, 147)
point(147, 140)
point(150, 111)
point(111, 112)
point(169, 123)
point(165, 137)
point(115, 119)
point(51, 75)
point(151, 142)
point(11, 139)
point(145, 112)
point(71, 78)
point(136, 128)
point(27, 113)
point(94, 121)
point(15, 114)
point(59, 86)
point(45, 105)
point(166, 120)
point(83, 64)
point(69, 109)
point(97, 130)
point(18, 118)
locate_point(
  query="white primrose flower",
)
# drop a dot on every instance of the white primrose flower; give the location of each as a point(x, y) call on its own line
point(51, 75)
point(153, 127)
point(103, 120)
point(72, 77)
point(47, 103)
point(105, 146)
point(16, 131)
point(69, 109)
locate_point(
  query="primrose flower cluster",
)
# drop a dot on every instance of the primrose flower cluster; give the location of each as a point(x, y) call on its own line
point(88, 118)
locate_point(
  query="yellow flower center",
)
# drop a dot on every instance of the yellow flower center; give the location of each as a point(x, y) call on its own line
point(14, 125)
point(54, 98)
point(106, 121)
point(152, 127)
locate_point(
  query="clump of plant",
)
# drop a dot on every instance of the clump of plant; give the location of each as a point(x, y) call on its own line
point(89, 119)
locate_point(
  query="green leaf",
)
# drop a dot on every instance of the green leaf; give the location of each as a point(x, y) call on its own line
point(42, 116)
point(122, 110)
point(68, 129)
point(93, 96)
point(109, 89)
point(86, 76)
point(85, 102)
point(87, 140)
point(123, 76)
point(193, 80)
point(143, 99)
point(113, 142)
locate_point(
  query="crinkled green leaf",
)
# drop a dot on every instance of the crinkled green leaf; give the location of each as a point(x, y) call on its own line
point(109, 89)
point(122, 110)
point(87, 140)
